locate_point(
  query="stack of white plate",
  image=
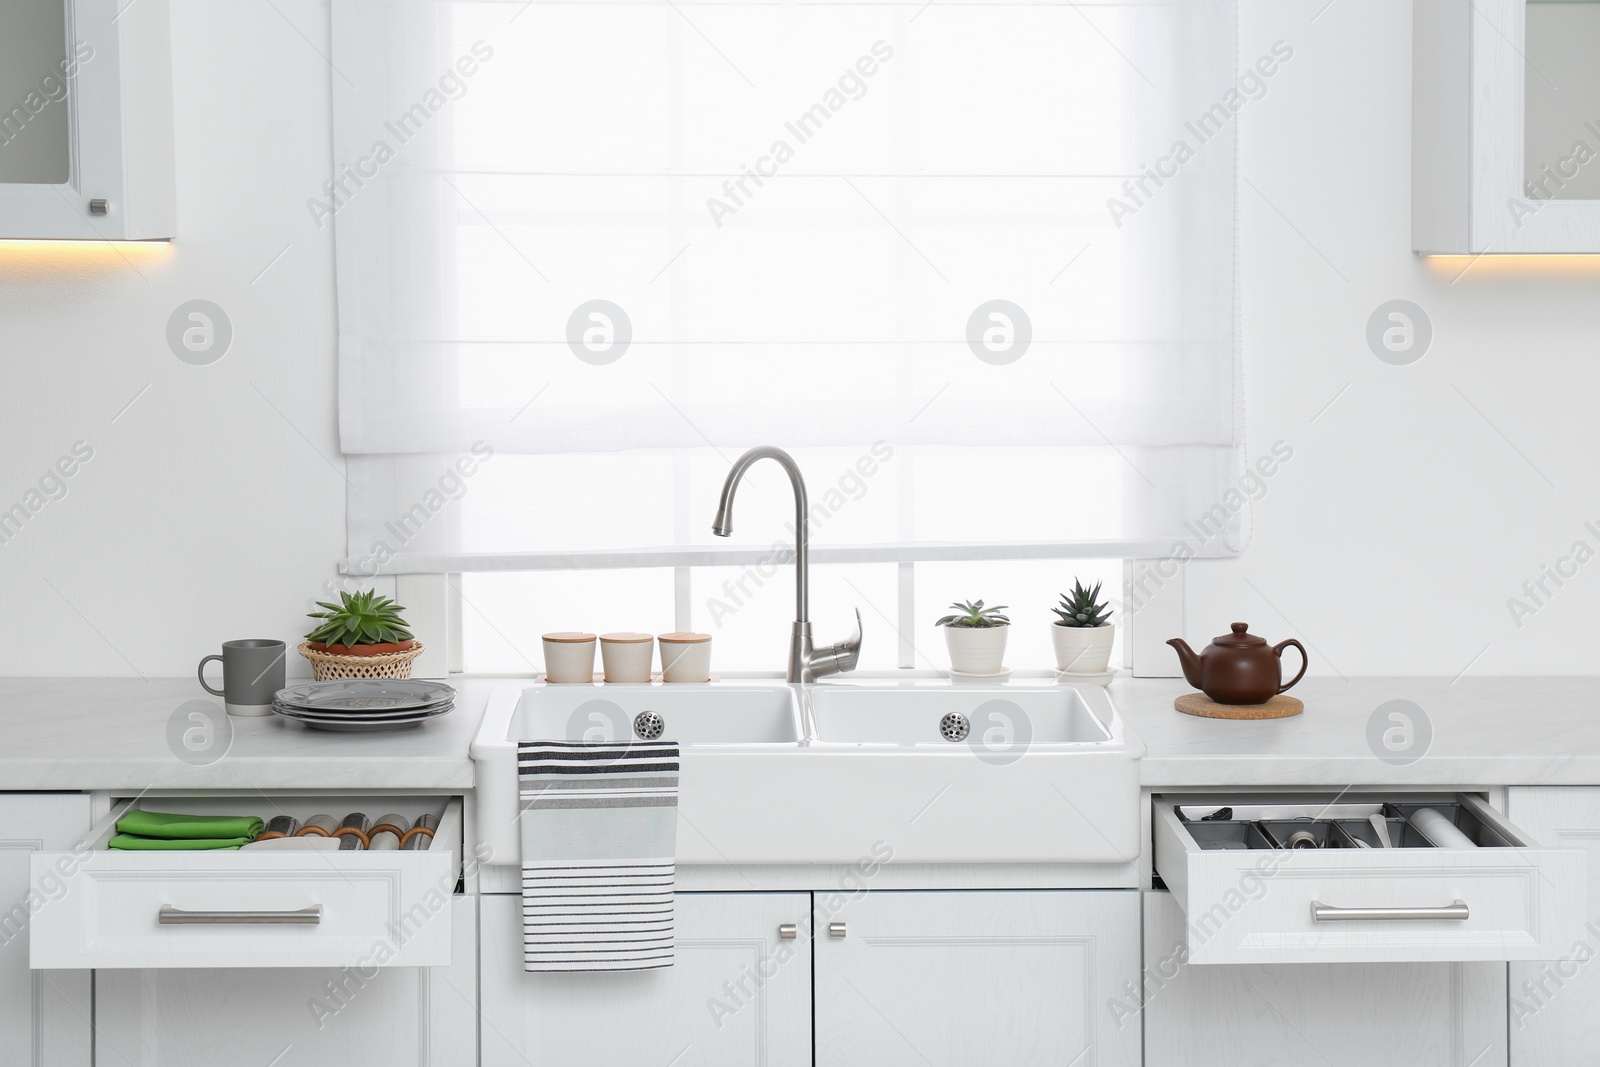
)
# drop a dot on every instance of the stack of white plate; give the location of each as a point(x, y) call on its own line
point(360, 704)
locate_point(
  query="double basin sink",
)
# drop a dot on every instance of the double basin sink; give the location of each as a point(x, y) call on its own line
point(832, 771)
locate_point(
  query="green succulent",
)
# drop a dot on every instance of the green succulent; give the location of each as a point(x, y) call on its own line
point(361, 619)
point(973, 615)
point(1082, 607)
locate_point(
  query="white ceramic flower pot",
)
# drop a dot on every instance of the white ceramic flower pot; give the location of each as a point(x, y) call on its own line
point(976, 649)
point(1082, 649)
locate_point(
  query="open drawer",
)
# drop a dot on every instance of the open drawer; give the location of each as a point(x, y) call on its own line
point(98, 907)
point(1338, 895)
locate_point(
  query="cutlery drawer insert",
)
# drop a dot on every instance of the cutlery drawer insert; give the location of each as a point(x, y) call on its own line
point(101, 907)
point(1303, 878)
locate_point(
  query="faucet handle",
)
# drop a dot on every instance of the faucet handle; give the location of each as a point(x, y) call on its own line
point(838, 658)
point(850, 647)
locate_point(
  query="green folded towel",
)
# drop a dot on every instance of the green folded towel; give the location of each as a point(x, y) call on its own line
point(189, 827)
point(133, 843)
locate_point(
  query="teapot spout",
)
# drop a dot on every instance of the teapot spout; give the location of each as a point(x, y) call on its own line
point(1189, 659)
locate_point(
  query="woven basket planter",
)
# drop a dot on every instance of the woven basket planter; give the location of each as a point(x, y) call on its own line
point(326, 665)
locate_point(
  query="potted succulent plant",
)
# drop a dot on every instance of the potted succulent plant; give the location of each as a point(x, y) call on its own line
point(362, 636)
point(976, 637)
point(1081, 635)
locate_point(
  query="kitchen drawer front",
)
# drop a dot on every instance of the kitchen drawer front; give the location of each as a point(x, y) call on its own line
point(1518, 901)
point(103, 909)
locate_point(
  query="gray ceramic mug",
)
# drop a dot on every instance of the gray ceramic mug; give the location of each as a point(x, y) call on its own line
point(252, 672)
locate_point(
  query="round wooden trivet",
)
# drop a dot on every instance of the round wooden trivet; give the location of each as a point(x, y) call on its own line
point(1279, 707)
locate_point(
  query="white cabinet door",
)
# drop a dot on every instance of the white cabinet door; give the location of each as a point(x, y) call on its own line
point(44, 1015)
point(736, 995)
point(1555, 1005)
point(930, 979)
point(304, 1017)
point(1293, 1014)
point(86, 120)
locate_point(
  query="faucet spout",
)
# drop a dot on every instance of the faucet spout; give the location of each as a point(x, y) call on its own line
point(806, 663)
point(722, 525)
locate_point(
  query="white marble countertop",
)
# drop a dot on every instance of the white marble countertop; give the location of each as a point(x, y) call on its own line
point(1484, 732)
point(118, 733)
point(124, 733)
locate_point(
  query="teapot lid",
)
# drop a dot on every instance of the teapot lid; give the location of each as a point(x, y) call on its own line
point(1239, 638)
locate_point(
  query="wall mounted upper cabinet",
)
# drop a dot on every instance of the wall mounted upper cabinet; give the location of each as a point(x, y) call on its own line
point(85, 120)
point(1505, 132)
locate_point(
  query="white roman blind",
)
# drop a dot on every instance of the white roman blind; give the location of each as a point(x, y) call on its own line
point(971, 262)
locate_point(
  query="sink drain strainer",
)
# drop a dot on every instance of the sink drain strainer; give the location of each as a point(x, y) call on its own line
point(648, 726)
point(954, 727)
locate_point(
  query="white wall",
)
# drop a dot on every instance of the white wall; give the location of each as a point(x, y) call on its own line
point(1415, 505)
point(214, 505)
point(1413, 508)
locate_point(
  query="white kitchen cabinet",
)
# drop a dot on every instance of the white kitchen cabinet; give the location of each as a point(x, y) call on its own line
point(1505, 149)
point(736, 995)
point(951, 979)
point(307, 1017)
point(1555, 1004)
point(86, 146)
point(1332, 1015)
point(44, 1016)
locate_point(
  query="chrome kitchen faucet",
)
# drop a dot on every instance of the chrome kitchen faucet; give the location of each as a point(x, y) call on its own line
point(806, 663)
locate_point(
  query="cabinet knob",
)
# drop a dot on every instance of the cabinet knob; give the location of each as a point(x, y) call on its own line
point(836, 929)
point(99, 207)
point(788, 931)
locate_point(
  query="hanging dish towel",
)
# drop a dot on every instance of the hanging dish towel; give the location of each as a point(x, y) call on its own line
point(599, 854)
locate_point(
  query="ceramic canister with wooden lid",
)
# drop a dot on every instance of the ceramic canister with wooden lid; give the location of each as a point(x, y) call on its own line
point(569, 657)
point(627, 657)
point(685, 657)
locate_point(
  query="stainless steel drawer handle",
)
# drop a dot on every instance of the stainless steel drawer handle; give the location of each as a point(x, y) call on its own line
point(1322, 913)
point(170, 916)
point(836, 929)
point(788, 931)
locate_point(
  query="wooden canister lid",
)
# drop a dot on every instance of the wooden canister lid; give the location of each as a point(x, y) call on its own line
point(627, 638)
point(569, 637)
point(684, 638)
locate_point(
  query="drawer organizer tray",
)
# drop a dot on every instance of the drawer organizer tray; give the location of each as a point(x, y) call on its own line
point(1299, 878)
point(1277, 827)
point(98, 907)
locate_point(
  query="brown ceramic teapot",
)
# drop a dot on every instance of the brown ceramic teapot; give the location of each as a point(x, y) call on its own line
point(1239, 667)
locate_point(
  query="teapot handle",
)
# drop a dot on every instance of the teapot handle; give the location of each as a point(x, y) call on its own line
point(1277, 650)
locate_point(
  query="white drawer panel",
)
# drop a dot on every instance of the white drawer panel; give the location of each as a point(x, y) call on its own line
point(100, 908)
point(1511, 901)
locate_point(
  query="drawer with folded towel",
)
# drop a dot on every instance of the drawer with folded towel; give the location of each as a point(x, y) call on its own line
point(252, 881)
point(1351, 878)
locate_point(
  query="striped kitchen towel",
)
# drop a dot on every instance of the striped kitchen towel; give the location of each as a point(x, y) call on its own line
point(599, 854)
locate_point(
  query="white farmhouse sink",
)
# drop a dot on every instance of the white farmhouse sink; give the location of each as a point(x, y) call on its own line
point(993, 717)
point(710, 714)
point(831, 772)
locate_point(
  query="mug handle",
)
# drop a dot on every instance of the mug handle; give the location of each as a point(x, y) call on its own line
point(1277, 650)
point(203, 685)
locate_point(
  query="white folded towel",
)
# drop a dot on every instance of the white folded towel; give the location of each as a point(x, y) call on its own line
point(599, 854)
